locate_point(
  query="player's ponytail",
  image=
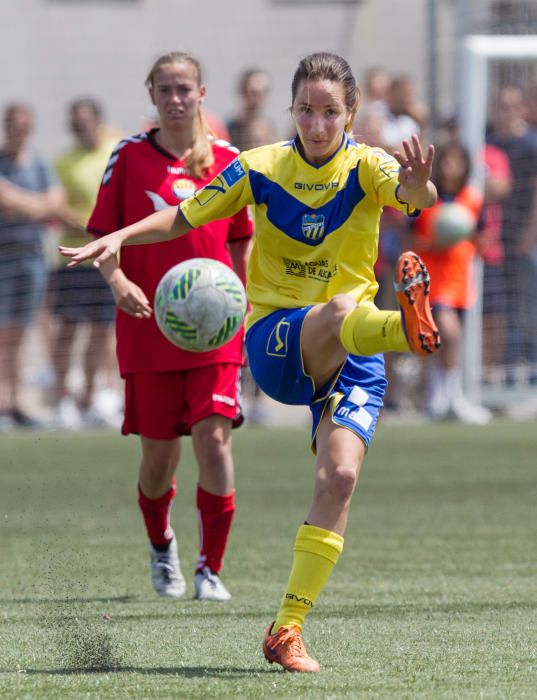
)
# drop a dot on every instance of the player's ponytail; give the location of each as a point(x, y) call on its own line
point(329, 66)
point(201, 156)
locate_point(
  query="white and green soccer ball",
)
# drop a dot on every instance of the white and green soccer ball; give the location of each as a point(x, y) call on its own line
point(200, 304)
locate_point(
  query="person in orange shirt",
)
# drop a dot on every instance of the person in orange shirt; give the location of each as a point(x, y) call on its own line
point(452, 287)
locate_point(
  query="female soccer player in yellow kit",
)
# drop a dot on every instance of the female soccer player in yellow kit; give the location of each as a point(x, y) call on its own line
point(314, 335)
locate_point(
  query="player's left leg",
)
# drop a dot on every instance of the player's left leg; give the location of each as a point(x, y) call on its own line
point(319, 542)
point(153, 410)
point(156, 493)
point(212, 394)
point(215, 501)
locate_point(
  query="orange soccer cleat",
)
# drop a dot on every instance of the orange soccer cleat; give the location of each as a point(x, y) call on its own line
point(286, 648)
point(411, 286)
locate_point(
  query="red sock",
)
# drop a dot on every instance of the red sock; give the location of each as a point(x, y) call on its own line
point(156, 512)
point(215, 514)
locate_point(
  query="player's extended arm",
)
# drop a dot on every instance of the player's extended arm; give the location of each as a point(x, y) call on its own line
point(161, 226)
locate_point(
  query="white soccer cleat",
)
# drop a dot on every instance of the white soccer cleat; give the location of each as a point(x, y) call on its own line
point(209, 586)
point(166, 576)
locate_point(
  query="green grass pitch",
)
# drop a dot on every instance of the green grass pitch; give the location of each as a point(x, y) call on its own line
point(435, 595)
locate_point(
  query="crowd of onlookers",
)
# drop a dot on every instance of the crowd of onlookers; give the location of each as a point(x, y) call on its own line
point(42, 204)
point(68, 314)
point(504, 239)
point(71, 312)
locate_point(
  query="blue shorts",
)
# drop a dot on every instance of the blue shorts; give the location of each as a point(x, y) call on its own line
point(23, 284)
point(80, 294)
point(353, 396)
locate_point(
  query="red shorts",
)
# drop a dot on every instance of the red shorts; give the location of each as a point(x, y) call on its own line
point(165, 405)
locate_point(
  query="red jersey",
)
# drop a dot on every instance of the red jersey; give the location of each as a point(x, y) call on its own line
point(141, 177)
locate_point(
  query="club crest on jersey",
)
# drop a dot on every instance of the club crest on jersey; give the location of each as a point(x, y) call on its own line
point(183, 188)
point(313, 226)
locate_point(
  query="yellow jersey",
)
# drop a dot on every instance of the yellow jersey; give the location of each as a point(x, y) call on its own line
point(316, 227)
point(80, 171)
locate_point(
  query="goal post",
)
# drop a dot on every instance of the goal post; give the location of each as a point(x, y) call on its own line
point(478, 52)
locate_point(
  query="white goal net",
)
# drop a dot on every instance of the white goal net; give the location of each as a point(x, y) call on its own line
point(498, 78)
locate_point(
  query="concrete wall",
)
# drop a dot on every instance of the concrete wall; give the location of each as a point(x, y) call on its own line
point(54, 50)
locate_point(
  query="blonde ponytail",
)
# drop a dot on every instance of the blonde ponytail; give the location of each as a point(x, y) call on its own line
point(201, 156)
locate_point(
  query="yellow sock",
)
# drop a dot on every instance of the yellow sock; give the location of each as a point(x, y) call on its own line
point(315, 555)
point(366, 331)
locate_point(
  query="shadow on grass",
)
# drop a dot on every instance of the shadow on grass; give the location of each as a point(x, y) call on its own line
point(189, 614)
point(350, 610)
point(109, 599)
point(457, 607)
point(230, 673)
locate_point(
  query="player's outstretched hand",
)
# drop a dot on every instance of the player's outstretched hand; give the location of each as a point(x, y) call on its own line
point(415, 169)
point(102, 249)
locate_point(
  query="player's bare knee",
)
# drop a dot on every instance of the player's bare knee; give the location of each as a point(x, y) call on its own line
point(342, 482)
point(338, 485)
point(211, 431)
point(161, 469)
point(212, 438)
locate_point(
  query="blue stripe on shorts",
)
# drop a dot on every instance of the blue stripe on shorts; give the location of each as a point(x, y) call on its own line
point(274, 354)
point(356, 397)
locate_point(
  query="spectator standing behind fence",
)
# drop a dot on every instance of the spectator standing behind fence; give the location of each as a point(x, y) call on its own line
point(510, 132)
point(498, 184)
point(29, 197)
point(374, 112)
point(83, 297)
point(531, 243)
point(250, 127)
point(377, 85)
point(452, 290)
point(407, 115)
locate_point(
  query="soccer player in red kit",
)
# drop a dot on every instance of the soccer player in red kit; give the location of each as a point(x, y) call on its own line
point(170, 392)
